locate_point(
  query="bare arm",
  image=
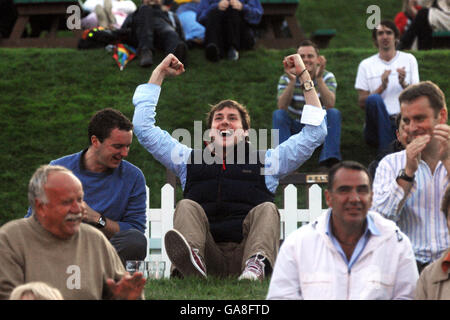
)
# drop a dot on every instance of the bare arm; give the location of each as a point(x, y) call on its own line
point(327, 96)
point(294, 65)
point(170, 66)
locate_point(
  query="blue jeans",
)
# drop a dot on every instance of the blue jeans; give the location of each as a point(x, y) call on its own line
point(188, 19)
point(379, 129)
point(332, 145)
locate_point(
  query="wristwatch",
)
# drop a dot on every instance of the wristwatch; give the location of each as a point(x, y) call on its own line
point(101, 223)
point(402, 175)
point(307, 85)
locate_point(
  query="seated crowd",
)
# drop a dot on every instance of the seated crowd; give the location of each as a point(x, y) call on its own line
point(386, 226)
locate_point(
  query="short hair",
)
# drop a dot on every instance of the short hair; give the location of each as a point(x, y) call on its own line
point(309, 43)
point(347, 164)
point(445, 202)
point(229, 104)
point(425, 89)
point(104, 121)
point(38, 181)
point(40, 291)
point(388, 24)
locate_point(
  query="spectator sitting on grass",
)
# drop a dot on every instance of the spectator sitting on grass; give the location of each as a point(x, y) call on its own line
point(291, 101)
point(228, 26)
point(153, 26)
point(379, 81)
point(227, 223)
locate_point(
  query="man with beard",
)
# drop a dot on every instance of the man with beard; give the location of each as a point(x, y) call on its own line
point(379, 81)
point(227, 223)
point(409, 185)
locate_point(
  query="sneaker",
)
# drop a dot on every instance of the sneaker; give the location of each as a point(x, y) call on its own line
point(185, 259)
point(146, 58)
point(212, 52)
point(254, 268)
point(233, 54)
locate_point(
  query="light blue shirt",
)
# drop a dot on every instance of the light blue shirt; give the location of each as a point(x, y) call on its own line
point(370, 230)
point(174, 155)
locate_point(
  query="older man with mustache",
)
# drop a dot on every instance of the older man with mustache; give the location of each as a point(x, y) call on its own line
point(54, 247)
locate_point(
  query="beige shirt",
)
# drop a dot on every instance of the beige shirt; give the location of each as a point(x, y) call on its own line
point(434, 283)
point(78, 267)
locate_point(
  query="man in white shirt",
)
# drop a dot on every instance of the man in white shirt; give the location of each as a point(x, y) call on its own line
point(348, 252)
point(379, 81)
point(409, 185)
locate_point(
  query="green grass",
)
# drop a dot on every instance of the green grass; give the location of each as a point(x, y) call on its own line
point(212, 288)
point(347, 17)
point(47, 97)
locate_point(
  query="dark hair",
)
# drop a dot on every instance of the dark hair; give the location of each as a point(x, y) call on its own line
point(104, 121)
point(229, 104)
point(309, 43)
point(425, 89)
point(347, 164)
point(445, 202)
point(388, 24)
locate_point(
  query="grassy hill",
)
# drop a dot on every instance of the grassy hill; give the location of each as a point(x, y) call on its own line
point(48, 96)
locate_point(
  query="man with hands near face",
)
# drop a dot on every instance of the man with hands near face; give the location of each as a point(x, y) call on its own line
point(291, 100)
point(409, 185)
point(379, 81)
point(227, 223)
point(228, 26)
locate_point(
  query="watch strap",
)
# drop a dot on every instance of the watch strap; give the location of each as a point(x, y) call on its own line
point(402, 175)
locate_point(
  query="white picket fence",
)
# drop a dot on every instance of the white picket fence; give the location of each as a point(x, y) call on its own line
point(161, 220)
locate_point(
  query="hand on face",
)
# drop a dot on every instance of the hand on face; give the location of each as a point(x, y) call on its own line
point(442, 134)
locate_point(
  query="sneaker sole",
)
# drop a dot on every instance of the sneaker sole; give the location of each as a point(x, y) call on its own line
point(179, 252)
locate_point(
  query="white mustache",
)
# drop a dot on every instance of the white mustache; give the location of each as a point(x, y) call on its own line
point(73, 217)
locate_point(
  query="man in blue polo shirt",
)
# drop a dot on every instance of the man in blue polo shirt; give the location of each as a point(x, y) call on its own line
point(115, 194)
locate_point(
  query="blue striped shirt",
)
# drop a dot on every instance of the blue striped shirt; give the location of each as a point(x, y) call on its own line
point(419, 215)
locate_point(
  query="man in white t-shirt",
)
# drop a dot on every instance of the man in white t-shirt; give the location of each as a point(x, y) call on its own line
point(379, 81)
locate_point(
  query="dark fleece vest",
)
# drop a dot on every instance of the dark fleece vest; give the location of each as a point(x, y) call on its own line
point(227, 191)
